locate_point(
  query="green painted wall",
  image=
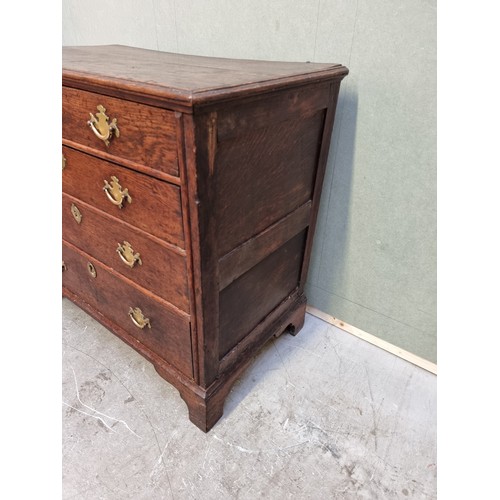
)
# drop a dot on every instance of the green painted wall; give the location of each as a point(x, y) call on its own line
point(374, 256)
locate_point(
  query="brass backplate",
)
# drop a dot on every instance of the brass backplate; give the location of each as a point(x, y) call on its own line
point(115, 193)
point(127, 255)
point(138, 318)
point(100, 126)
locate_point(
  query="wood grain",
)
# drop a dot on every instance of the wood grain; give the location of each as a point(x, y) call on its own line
point(181, 81)
point(264, 175)
point(326, 135)
point(162, 271)
point(203, 232)
point(84, 178)
point(147, 134)
point(243, 117)
point(249, 299)
point(247, 255)
point(193, 291)
point(169, 334)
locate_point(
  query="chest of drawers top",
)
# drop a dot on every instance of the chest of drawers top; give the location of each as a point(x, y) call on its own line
point(181, 82)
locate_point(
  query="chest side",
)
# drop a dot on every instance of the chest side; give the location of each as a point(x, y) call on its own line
point(260, 164)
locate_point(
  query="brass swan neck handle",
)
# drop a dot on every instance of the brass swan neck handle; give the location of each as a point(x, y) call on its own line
point(100, 126)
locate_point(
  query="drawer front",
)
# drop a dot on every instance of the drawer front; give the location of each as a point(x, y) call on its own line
point(169, 335)
point(155, 206)
point(147, 262)
point(146, 135)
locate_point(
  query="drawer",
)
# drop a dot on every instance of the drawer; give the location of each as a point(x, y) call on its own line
point(169, 334)
point(160, 269)
point(155, 206)
point(147, 135)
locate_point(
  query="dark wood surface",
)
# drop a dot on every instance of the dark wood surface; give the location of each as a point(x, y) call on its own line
point(326, 135)
point(256, 293)
point(162, 271)
point(147, 134)
point(264, 175)
point(267, 110)
point(250, 253)
point(184, 78)
point(206, 405)
point(108, 292)
point(224, 161)
point(84, 176)
point(203, 232)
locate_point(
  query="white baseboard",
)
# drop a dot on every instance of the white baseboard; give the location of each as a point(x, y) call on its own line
point(387, 346)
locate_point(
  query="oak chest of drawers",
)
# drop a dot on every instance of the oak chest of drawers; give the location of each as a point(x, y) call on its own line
point(190, 192)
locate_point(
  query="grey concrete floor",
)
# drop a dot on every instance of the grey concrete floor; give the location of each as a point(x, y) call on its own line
point(323, 415)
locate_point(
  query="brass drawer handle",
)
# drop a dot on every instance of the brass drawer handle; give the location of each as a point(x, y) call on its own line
point(64, 266)
point(76, 213)
point(138, 318)
point(127, 255)
point(63, 162)
point(100, 126)
point(115, 193)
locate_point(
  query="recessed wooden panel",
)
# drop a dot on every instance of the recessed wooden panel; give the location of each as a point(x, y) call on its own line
point(155, 207)
point(169, 335)
point(147, 134)
point(161, 270)
point(266, 111)
point(263, 175)
point(249, 299)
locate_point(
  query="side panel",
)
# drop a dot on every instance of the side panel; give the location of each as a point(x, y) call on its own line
point(267, 153)
point(249, 299)
point(259, 169)
point(263, 176)
point(269, 173)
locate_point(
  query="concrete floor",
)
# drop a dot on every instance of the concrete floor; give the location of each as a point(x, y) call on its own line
point(323, 415)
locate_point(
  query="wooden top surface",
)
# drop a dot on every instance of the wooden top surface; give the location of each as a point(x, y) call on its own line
point(184, 78)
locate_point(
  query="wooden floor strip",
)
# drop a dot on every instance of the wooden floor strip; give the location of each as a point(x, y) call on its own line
point(368, 337)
